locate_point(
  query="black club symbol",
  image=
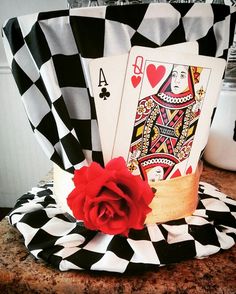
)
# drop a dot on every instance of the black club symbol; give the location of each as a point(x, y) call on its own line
point(104, 94)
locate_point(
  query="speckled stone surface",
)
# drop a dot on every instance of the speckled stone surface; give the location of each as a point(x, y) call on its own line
point(224, 180)
point(21, 273)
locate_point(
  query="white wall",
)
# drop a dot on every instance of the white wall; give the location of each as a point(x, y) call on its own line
point(22, 162)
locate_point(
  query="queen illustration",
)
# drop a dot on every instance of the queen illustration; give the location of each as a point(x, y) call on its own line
point(163, 135)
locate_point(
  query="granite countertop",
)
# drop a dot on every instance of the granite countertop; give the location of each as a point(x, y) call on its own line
point(21, 273)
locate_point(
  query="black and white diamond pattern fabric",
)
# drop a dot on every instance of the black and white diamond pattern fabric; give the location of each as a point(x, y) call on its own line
point(49, 54)
point(226, 2)
point(55, 237)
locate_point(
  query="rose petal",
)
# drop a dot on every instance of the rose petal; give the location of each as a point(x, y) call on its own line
point(117, 164)
point(91, 219)
point(119, 190)
point(110, 200)
point(118, 226)
point(105, 211)
point(94, 171)
point(94, 188)
point(89, 174)
point(80, 176)
point(76, 204)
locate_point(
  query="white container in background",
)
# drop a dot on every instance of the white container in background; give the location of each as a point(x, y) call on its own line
point(221, 147)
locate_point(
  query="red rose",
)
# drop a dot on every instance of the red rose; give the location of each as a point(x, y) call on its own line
point(110, 199)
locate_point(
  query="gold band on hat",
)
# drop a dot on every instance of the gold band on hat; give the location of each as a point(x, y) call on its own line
point(175, 198)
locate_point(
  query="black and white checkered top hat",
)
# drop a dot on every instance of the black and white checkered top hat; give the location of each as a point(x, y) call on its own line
point(49, 54)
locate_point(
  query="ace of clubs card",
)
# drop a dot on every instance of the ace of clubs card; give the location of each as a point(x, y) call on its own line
point(107, 76)
point(168, 99)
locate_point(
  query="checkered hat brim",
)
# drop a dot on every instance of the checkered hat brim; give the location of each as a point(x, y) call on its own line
point(57, 238)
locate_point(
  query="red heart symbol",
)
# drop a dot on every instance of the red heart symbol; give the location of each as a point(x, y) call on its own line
point(176, 174)
point(155, 74)
point(135, 80)
point(189, 170)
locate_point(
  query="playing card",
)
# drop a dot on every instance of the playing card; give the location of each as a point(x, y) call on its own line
point(107, 76)
point(167, 103)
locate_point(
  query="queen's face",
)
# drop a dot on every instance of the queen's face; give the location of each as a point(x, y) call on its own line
point(179, 81)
